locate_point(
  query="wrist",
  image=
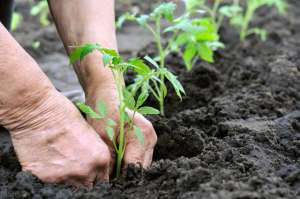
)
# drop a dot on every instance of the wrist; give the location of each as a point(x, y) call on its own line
point(92, 73)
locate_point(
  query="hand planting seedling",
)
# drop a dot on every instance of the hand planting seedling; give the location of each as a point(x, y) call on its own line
point(131, 98)
point(193, 39)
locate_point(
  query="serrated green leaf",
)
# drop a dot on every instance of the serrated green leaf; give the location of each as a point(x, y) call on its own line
point(110, 52)
point(147, 110)
point(150, 60)
point(165, 10)
point(140, 67)
point(129, 99)
point(110, 133)
point(205, 52)
point(102, 109)
point(142, 98)
point(139, 134)
point(88, 111)
point(175, 83)
point(189, 55)
point(79, 53)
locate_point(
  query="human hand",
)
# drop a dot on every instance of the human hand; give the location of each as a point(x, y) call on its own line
point(54, 142)
point(135, 153)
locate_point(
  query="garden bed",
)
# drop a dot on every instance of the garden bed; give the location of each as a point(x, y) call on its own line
point(236, 134)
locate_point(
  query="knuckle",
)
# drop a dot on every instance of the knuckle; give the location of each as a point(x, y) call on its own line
point(101, 159)
point(150, 134)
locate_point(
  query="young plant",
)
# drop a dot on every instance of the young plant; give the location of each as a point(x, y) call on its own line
point(41, 9)
point(242, 19)
point(193, 39)
point(131, 97)
point(16, 21)
point(240, 13)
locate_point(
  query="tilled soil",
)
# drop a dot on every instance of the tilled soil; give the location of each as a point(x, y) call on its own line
point(236, 134)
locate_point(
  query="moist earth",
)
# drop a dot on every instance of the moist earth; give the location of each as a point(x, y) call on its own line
point(236, 133)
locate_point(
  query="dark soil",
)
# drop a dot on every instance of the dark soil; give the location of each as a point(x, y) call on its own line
point(236, 134)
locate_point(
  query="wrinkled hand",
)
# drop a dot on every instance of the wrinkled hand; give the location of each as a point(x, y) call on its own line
point(135, 153)
point(54, 142)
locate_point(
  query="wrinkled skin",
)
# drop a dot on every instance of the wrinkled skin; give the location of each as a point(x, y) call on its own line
point(51, 138)
point(59, 146)
point(136, 153)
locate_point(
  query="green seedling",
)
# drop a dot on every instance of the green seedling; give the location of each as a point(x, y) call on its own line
point(41, 9)
point(240, 13)
point(16, 21)
point(131, 97)
point(242, 19)
point(193, 39)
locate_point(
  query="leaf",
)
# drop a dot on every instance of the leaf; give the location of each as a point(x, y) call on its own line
point(110, 52)
point(230, 10)
point(107, 59)
point(142, 20)
point(111, 123)
point(102, 109)
point(281, 6)
point(150, 60)
point(110, 132)
point(188, 55)
point(175, 83)
point(147, 110)
point(17, 19)
point(79, 53)
point(142, 98)
point(129, 99)
point(205, 52)
point(88, 111)
point(165, 10)
point(140, 67)
point(139, 134)
point(182, 39)
point(193, 5)
point(125, 17)
point(260, 32)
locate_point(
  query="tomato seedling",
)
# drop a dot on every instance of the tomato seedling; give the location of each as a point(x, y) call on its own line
point(132, 97)
point(242, 18)
point(240, 13)
point(193, 39)
point(42, 10)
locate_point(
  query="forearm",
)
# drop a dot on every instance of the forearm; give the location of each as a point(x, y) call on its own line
point(21, 79)
point(19, 73)
point(86, 21)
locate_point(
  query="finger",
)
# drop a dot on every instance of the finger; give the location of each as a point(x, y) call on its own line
point(103, 175)
point(148, 158)
point(134, 153)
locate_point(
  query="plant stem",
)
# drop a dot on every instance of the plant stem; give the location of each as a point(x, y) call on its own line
point(162, 57)
point(247, 18)
point(121, 147)
point(215, 10)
